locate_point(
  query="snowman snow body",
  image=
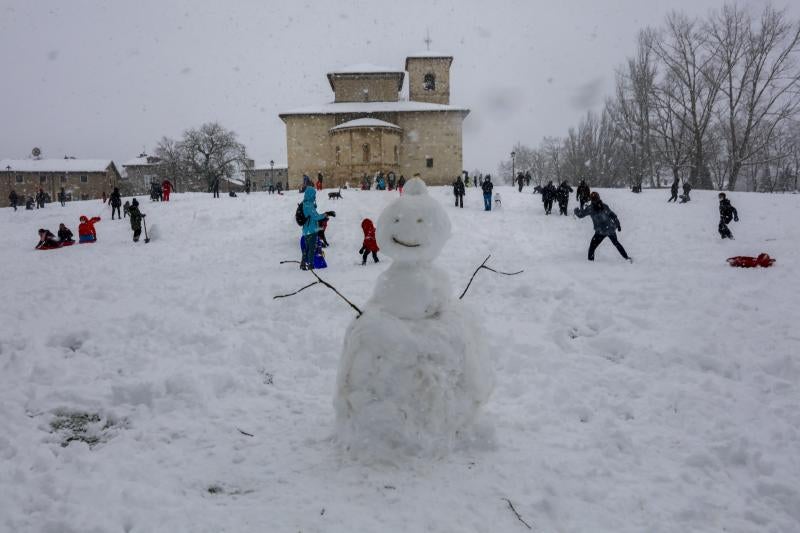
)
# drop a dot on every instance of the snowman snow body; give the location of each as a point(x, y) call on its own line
point(414, 370)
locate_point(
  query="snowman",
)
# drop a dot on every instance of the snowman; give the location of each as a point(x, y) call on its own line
point(414, 371)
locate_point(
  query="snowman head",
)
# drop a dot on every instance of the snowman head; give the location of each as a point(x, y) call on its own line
point(414, 227)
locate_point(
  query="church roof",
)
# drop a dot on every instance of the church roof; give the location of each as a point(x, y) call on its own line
point(55, 165)
point(367, 70)
point(365, 123)
point(371, 107)
point(429, 54)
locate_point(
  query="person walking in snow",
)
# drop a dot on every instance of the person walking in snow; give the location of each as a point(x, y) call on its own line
point(166, 189)
point(582, 193)
point(136, 219)
point(674, 190)
point(605, 222)
point(562, 195)
point(528, 178)
point(62, 197)
point(13, 199)
point(459, 191)
point(86, 231)
point(116, 202)
point(548, 195)
point(487, 192)
point(401, 182)
point(726, 213)
point(311, 227)
point(520, 180)
point(370, 244)
point(64, 234)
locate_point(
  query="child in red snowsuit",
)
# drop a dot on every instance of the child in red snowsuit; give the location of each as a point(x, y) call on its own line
point(166, 188)
point(86, 231)
point(370, 243)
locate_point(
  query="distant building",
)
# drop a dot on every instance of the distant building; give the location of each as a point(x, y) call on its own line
point(138, 172)
point(262, 174)
point(82, 179)
point(368, 128)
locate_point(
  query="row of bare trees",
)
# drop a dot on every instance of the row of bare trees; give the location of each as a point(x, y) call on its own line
point(713, 101)
point(203, 156)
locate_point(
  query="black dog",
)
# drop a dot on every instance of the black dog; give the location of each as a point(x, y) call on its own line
point(335, 195)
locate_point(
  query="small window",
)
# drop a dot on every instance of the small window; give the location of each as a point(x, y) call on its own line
point(42, 179)
point(429, 162)
point(429, 82)
point(20, 178)
point(365, 93)
point(63, 179)
point(85, 179)
point(338, 156)
point(84, 196)
point(365, 150)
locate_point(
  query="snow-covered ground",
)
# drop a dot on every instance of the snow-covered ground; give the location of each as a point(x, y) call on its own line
point(660, 396)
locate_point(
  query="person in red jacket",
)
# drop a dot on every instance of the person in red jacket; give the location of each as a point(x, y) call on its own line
point(370, 243)
point(166, 188)
point(86, 231)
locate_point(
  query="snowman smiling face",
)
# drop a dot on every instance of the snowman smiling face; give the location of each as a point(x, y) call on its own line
point(415, 227)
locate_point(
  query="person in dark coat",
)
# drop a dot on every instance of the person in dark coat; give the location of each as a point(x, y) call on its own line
point(674, 190)
point(520, 180)
point(401, 182)
point(47, 240)
point(29, 203)
point(487, 187)
point(726, 213)
point(62, 197)
point(528, 178)
point(40, 198)
point(459, 191)
point(605, 222)
point(548, 195)
point(126, 209)
point(116, 202)
point(687, 188)
point(64, 234)
point(370, 244)
point(562, 195)
point(13, 199)
point(582, 193)
point(136, 219)
point(215, 187)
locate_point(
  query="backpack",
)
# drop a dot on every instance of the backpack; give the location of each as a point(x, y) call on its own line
point(299, 217)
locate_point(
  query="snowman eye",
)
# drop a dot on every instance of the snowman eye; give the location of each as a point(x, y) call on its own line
point(419, 221)
point(396, 220)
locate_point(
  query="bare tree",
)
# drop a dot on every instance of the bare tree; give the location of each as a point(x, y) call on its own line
point(761, 79)
point(212, 152)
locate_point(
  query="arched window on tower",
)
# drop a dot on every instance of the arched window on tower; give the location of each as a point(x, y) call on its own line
point(396, 154)
point(365, 152)
point(338, 156)
point(429, 82)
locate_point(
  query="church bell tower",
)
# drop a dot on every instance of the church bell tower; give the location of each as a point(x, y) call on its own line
point(429, 78)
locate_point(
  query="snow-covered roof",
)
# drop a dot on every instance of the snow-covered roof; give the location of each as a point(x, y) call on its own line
point(138, 161)
point(371, 107)
point(365, 123)
point(429, 54)
point(55, 165)
point(367, 68)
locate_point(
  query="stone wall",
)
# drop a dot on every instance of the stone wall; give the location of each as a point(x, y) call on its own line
point(434, 135)
point(378, 90)
point(440, 68)
point(51, 182)
point(307, 146)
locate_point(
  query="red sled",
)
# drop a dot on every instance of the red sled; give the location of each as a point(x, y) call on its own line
point(743, 261)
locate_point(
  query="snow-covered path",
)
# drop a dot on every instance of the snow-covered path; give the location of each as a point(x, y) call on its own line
point(661, 396)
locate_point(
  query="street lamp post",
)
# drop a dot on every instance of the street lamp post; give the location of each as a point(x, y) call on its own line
point(272, 172)
point(8, 177)
point(513, 167)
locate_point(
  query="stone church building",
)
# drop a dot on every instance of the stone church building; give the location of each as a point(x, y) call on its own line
point(369, 128)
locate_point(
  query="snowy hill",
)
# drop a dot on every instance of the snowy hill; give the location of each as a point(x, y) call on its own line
point(159, 387)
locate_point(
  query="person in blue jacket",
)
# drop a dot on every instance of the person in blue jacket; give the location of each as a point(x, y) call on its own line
point(606, 224)
point(311, 227)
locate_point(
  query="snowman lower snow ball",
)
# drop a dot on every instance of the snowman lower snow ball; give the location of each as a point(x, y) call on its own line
point(414, 371)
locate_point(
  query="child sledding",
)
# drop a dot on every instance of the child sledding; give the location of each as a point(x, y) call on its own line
point(86, 231)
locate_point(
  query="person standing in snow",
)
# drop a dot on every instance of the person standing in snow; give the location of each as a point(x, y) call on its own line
point(528, 178)
point(136, 219)
point(726, 213)
point(214, 187)
point(562, 195)
point(674, 190)
point(487, 192)
point(319, 181)
point(62, 197)
point(166, 189)
point(370, 244)
point(40, 199)
point(605, 222)
point(687, 188)
point(401, 183)
point(520, 180)
point(323, 225)
point(116, 203)
point(390, 180)
point(311, 227)
point(582, 193)
point(13, 199)
point(459, 191)
point(548, 195)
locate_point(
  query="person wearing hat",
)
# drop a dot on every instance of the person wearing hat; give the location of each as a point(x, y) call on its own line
point(606, 224)
point(487, 187)
point(136, 219)
point(726, 213)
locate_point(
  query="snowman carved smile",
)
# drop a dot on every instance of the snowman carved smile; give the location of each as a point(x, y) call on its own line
point(402, 243)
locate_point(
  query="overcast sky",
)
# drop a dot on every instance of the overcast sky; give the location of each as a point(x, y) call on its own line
point(106, 79)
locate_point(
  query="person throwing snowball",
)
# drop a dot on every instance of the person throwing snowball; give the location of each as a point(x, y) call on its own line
point(606, 224)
